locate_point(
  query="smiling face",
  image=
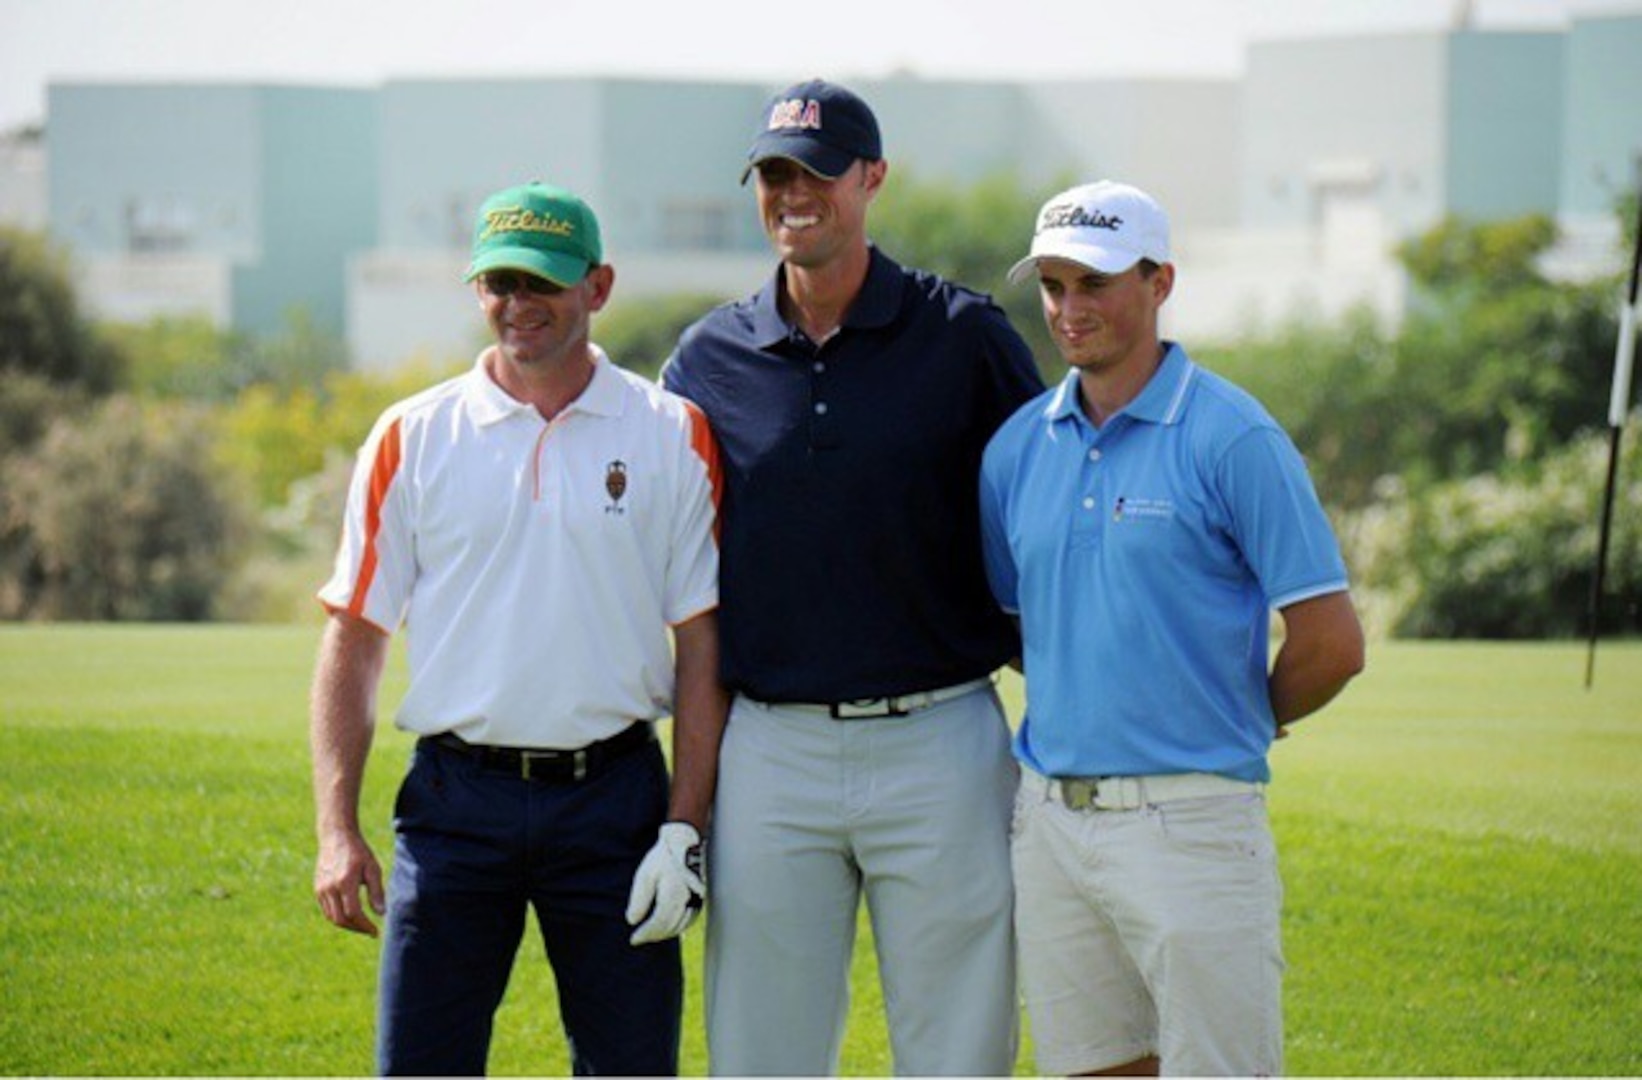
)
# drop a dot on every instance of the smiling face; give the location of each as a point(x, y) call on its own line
point(810, 220)
point(537, 323)
point(1103, 322)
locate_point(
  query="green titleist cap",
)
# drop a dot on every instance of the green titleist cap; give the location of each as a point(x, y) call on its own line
point(537, 228)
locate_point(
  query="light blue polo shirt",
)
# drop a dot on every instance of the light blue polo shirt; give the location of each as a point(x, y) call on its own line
point(1143, 558)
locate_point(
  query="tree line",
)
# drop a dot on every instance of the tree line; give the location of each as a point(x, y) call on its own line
point(173, 471)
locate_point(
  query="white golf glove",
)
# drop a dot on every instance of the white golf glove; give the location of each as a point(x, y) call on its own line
point(671, 885)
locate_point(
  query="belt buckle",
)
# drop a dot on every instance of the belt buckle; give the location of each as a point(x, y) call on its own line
point(578, 760)
point(867, 709)
point(1079, 793)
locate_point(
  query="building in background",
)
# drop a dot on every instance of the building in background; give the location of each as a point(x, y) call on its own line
point(660, 161)
point(239, 202)
point(23, 179)
point(1351, 144)
point(656, 160)
point(1601, 149)
point(1289, 188)
point(1400, 130)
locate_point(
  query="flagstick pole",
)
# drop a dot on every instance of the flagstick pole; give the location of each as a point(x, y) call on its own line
point(1619, 404)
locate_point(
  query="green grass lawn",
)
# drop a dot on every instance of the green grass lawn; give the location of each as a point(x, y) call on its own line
point(1460, 841)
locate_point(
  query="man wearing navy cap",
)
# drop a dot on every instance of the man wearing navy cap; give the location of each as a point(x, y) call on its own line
point(1143, 519)
point(542, 526)
point(866, 752)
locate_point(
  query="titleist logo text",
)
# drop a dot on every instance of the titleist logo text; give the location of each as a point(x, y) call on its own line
point(1073, 216)
point(518, 219)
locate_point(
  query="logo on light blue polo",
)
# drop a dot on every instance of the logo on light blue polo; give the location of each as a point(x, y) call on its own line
point(1134, 510)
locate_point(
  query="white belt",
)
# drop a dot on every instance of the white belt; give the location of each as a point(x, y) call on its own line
point(1134, 792)
point(881, 707)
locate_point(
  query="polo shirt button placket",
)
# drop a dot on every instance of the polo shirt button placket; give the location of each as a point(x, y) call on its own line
point(818, 368)
point(1094, 459)
point(1089, 501)
point(823, 435)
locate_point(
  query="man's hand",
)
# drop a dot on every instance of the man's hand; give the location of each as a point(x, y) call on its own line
point(671, 885)
point(344, 867)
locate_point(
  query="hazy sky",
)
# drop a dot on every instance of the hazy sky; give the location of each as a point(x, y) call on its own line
point(361, 42)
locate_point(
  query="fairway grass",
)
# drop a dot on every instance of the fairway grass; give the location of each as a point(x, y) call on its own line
point(1460, 846)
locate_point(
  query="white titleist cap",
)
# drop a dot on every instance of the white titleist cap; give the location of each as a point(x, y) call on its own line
point(1105, 226)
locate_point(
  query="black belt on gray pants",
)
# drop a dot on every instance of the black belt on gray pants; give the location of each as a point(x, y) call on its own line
point(550, 766)
point(881, 707)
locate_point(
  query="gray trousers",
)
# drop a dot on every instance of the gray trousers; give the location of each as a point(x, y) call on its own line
point(813, 813)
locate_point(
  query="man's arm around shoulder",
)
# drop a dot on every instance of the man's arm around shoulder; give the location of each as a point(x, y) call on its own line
point(342, 720)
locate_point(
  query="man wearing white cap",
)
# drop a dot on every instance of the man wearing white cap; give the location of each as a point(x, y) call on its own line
point(1141, 520)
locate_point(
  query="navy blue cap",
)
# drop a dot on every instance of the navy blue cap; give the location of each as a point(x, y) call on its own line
point(818, 124)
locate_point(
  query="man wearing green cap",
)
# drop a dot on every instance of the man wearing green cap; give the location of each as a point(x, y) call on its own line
point(544, 528)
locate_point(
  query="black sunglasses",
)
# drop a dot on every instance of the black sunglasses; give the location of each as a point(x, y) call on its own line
point(508, 282)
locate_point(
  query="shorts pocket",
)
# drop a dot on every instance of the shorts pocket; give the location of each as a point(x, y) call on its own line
point(1231, 828)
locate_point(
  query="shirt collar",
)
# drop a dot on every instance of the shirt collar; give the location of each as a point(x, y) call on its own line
point(491, 404)
point(1164, 398)
point(875, 305)
point(603, 396)
point(1161, 401)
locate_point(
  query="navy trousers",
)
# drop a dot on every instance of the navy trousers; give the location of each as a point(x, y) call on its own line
point(475, 848)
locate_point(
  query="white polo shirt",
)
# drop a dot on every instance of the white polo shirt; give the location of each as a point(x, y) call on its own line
point(537, 566)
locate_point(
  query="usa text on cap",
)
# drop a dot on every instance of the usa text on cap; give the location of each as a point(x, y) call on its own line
point(821, 125)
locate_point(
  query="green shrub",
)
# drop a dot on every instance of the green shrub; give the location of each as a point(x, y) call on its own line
point(1508, 555)
point(275, 435)
point(639, 334)
point(42, 330)
point(121, 514)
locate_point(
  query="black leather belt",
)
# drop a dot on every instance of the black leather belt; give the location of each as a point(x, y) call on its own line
point(551, 766)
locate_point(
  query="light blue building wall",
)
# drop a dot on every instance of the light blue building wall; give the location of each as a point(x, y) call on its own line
point(1366, 114)
point(1180, 139)
point(657, 160)
point(276, 183)
point(150, 168)
point(950, 130)
point(1602, 125)
point(318, 175)
point(672, 155)
point(1503, 123)
point(446, 144)
point(1421, 125)
point(1178, 135)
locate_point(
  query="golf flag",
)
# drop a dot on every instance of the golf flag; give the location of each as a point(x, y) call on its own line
point(1619, 406)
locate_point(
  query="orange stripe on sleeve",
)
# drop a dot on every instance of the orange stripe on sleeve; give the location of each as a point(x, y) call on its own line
point(383, 470)
point(706, 448)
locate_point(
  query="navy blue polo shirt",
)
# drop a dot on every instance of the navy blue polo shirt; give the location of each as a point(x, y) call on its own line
point(850, 563)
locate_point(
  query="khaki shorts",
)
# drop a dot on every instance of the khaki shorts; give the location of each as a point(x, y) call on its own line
point(1151, 930)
